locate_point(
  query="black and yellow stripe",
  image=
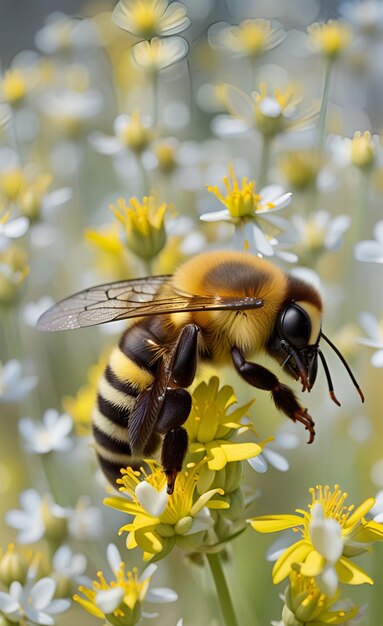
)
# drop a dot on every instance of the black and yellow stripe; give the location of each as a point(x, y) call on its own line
point(130, 370)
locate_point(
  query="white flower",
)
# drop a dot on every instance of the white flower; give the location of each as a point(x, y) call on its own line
point(62, 33)
point(371, 251)
point(147, 18)
point(374, 330)
point(70, 106)
point(14, 387)
point(66, 564)
point(269, 200)
point(157, 54)
point(32, 602)
point(130, 132)
point(48, 435)
point(85, 520)
point(320, 231)
point(29, 521)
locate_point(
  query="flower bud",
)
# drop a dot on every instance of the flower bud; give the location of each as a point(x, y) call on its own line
point(184, 525)
point(12, 566)
point(362, 150)
point(299, 167)
point(135, 135)
point(288, 618)
point(237, 505)
point(12, 273)
point(14, 87)
point(165, 154)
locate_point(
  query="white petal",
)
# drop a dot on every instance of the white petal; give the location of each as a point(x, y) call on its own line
point(42, 593)
point(378, 232)
point(11, 372)
point(104, 144)
point(289, 257)
point(148, 572)
point(114, 557)
point(58, 197)
point(8, 604)
point(270, 107)
point(228, 126)
point(258, 464)
point(377, 359)
point(368, 251)
point(30, 500)
point(62, 558)
point(371, 325)
point(216, 216)
point(109, 599)
point(161, 595)
point(153, 501)
point(325, 534)
point(15, 228)
point(58, 606)
point(27, 428)
point(328, 581)
point(202, 521)
point(279, 546)
point(262, 244)
point(39, 617)
point(276, 460)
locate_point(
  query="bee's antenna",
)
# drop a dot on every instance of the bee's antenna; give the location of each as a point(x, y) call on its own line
point(346, 365)
point(328, 377)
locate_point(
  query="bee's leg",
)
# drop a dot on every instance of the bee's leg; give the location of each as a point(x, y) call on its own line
point(284, 398)
point(180, 371)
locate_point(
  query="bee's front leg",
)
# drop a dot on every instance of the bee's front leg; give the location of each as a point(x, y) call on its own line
point(284, 398)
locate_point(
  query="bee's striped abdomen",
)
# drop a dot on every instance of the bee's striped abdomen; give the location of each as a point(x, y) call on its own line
point(130, 370)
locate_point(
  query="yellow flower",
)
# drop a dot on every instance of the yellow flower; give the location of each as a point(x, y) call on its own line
point(270, 113)
point(111, 254)
point(14, 86)
point(211, 426)
point(118, 601)
point(305, 604)
point(81, 406)
point(240, 202)
point(31, 197)
point(144, 225)
point(299, 167)
point(347, 530)
point(330, 38)
point(133, 133)
point(150, 18)
point(12, 181)
point(251, 37)
point(160, 521)
point(13, 272)
point(362, 150)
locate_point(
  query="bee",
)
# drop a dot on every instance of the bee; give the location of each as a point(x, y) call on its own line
point(219, 306)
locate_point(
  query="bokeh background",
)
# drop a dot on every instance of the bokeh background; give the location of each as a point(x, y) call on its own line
point(64, 255)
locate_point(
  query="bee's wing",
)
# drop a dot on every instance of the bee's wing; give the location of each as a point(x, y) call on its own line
point(131, 298)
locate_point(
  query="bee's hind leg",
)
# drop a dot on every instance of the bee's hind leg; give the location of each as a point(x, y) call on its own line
point(284, 398)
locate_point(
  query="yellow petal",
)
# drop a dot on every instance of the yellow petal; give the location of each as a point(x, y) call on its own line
point(297, 553)
point(313, 564)
point(368, 532)
point(149, 541)
point(216, 456)
point(351, 574)
point(89, 606)
point(239, 451)
point(359, 513)
point(273, 523)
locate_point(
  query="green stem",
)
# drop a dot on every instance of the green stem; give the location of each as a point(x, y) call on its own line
point(144, 176)
point(265, 159)
point(222, 588)
point(323, 108)
point(155, 83)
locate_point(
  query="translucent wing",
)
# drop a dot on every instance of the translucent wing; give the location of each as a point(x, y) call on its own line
point(131, 298)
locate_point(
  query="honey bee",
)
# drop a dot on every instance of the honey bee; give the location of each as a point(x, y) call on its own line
point(219, 306)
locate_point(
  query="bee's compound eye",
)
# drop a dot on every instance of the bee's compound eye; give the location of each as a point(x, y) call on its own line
point(295, 326)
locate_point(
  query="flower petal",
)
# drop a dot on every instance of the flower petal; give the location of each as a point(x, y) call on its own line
point(274, 523)
point(297, 553)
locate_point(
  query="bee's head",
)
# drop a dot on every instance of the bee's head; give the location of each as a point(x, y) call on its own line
point(295, 339)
